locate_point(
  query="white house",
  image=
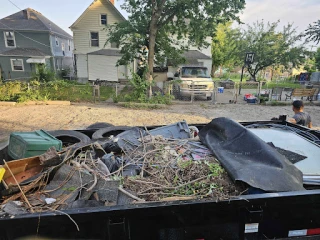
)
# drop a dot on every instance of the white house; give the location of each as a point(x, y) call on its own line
point(94, 58)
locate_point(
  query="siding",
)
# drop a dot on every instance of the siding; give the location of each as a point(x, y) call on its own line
point(23, 42)
point(82, 66)
point(57, 50)
point(103, 67)
point(7, 73)
point(90, 21)
point(206, 63)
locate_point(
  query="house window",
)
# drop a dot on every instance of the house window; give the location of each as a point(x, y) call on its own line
point(57, 42)
point(103, 19)
point(9, 39)
point(69, 45)
point(62, 46)
point(94, 39)
point(114, 45)
point(17, 65)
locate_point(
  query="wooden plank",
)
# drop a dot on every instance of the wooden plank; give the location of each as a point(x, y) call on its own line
point(18, 166)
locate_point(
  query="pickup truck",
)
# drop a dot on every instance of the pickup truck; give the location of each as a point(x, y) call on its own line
point(256, 215)
point(192, 81)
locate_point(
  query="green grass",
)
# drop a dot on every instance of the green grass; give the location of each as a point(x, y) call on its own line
point(77, 93)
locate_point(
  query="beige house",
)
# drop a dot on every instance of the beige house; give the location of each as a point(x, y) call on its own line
point(94, 59)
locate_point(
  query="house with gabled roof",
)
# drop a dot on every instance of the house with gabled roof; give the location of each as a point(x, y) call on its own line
point(93, 57)
point(27, 38)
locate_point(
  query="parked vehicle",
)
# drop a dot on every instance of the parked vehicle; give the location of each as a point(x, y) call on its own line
point(192, 81)
point(255, 215)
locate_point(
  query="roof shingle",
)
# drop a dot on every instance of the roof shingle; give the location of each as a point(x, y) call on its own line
point(24, 52)
point(107, 52)
point(36, 22)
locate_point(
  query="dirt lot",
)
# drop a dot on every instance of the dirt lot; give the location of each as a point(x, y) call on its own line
point(77, 116)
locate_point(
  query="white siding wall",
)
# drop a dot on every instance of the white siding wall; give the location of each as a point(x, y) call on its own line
point(90, 22)
point(122, 72)
point(82, 66)
point(103, 67)
point(206, 63)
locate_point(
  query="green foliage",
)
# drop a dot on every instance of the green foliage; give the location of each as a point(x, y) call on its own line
point(137, 89)
point(271, 47)
point(21, 91)
point(215, 169)
point(310, 65)
point(222, 47)
point(9, 90)
point(54, 90)
point(43, 74)
point(154, 23)
point(317, 59)
point(313, 32)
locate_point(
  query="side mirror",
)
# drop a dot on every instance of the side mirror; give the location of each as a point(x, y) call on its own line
point(176, 74)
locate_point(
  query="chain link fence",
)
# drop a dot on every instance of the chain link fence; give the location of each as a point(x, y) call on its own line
point(229, 91)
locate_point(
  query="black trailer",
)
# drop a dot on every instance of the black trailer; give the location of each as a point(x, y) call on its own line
point(283, 215)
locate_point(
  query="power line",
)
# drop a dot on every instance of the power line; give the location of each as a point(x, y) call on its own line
point(25, 35)
point(14, 4)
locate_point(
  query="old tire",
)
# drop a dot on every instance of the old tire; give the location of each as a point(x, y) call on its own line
point(99, 125)
point(71, 138)
point(104, 133)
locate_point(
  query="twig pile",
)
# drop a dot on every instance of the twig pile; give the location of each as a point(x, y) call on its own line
point(168, 171)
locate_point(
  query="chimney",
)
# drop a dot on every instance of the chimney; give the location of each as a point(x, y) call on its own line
point(26, 14)
point(112, 1)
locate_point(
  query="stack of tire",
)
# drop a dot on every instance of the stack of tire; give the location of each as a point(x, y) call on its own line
point(102, 133)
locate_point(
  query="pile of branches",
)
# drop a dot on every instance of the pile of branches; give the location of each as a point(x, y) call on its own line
point(167, 172)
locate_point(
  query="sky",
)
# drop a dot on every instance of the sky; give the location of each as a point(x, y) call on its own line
point(65, 12)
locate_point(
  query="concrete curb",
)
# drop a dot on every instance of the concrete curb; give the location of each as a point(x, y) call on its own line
point(7, 103)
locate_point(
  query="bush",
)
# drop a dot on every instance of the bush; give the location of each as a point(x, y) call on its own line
point(43, 74)
point(137, 89)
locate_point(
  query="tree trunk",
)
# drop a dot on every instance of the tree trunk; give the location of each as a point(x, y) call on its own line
point(152, 42)
point(213, 70)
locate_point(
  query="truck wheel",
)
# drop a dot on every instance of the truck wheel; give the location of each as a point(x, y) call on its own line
point(209, 98)
point(69, 137)
point(104, 133)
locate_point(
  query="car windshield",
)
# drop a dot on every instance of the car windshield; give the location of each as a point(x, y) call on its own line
point(189, 72)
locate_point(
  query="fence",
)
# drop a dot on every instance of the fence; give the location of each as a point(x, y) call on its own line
point(235, 92)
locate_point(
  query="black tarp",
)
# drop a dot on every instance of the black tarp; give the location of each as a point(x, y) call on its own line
point(249, 159)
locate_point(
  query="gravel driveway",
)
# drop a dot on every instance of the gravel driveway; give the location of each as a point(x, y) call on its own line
point(76, 116)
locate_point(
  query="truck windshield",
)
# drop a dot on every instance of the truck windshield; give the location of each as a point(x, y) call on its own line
point(190, 72)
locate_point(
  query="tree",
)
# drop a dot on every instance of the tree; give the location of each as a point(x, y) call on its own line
point(167, 27)
point(317, 59)
point(313, 32)
point(222, 47)
point(271, 47)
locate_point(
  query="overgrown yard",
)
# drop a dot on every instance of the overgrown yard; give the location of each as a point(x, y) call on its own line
point(53, 90)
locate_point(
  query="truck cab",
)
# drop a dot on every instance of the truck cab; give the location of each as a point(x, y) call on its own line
point(191, 81)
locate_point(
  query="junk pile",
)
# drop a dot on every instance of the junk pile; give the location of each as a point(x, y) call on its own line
point(136, 165)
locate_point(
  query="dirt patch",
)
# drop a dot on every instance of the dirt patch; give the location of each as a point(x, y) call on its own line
point(78, 116)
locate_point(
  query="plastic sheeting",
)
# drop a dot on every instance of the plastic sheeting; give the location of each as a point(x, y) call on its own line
point(249, 159)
